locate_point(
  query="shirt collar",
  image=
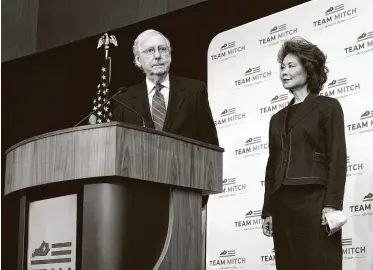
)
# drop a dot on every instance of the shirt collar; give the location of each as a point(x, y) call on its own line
point(150, 85)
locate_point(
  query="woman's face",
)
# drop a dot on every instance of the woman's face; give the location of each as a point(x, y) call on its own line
point(292, 73)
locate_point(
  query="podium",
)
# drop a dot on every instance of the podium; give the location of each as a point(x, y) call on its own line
point(111, 196)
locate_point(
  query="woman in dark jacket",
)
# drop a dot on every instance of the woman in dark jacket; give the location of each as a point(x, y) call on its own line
point(306, 169)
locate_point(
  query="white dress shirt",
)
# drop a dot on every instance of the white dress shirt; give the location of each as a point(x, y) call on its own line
point(165, 90)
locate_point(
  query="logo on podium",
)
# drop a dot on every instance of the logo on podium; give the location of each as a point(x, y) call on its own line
point(52, 256)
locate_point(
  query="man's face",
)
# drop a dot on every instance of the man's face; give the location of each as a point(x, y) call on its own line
point(154, 55)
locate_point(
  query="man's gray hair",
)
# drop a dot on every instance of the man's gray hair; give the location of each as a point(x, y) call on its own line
point(144, 35)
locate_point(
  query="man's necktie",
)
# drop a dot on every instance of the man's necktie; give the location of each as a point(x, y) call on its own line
point(158, 108)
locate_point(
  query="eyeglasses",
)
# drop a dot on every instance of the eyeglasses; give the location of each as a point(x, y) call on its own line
point(151, 51)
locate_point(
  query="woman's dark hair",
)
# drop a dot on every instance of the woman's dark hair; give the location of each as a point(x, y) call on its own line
point(312, 59)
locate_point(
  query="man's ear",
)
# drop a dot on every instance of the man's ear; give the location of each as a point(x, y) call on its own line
point(137, 61)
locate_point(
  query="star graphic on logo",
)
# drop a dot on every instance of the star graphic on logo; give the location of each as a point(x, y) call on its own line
point(98, 86)
point(99, 113)
point(103, 69)
point(99, 105)
point(99, 98)
point(94, 101)
point(98, 92)
point(110, 114)
point(106, 108)
point(99, 120)
point(103, 77)
point(108, 120)
point(94, 108)
point(103, 84)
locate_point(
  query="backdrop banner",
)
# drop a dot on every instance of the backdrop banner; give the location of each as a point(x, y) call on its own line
point(245, 91)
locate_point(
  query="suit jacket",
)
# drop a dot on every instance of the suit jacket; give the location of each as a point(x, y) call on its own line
point(188, 111)
point(313, 151)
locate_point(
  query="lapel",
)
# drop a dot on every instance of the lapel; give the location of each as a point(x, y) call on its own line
point(308, 104)
point(176, 99)
point(140, 103)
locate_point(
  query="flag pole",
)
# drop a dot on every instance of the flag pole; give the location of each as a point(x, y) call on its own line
point(102, 107)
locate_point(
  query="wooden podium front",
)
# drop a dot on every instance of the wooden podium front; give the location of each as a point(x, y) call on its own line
point(111, 196)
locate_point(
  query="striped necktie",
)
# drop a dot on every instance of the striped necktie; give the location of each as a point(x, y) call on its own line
point(158, 107)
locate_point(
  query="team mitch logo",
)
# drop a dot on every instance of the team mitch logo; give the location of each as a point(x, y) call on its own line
point(365, 36)
point(351, 251)
point(252, 76)
point(228, 259)
point(253, 140)
point(354, 168)
point(54, 254)
point(228, 50)
point(251, 221)
point(363, 44)
point(335, 9)
point(335, 15)
point(279, 98)
point(337, 83)
point(364, 125)
point(340, 88)
point(253, 146)
point(368, 198)
point(365, 208)
point(228, 46)
point(277, 103)
point(277, 33)
point(231, 187)
point(228, 117)
point(277, 29)
point(366, 115)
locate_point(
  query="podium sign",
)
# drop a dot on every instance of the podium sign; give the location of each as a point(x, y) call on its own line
point(52, 234)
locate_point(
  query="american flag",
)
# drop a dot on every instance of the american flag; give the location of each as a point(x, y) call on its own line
point(103, 112)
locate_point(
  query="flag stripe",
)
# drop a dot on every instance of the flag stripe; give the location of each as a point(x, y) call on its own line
point(62, 260)
point(58, 245)
point(61, 252)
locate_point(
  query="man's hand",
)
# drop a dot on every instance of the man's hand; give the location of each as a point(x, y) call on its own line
point(267, 226)
point(324, 211)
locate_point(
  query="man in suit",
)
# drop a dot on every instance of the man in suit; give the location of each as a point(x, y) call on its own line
point(168, 103)
point(165, 102)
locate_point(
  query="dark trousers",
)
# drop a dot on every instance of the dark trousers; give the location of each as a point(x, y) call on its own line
point(301, 242)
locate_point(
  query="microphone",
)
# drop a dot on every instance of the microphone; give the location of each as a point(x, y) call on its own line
point(112, 97)
point(132, 110)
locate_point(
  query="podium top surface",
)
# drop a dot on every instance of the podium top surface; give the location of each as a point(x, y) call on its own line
point(113, 149)
point(119, 124)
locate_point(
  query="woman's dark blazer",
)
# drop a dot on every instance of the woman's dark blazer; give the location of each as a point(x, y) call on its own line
point(313, 151)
